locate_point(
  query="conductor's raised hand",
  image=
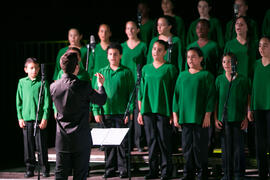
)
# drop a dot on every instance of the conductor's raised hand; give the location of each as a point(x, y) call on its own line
point(100, 79)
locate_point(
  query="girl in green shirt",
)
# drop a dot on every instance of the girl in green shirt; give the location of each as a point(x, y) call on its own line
point(260, 104)
point(243, 47)
point(74, 39)
point(165, 28)
point(155, 100)
point(193, 103)
point(99, 59)
point(232, 135)
point(215, 31)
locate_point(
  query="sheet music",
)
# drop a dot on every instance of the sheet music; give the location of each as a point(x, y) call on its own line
point(108, 136)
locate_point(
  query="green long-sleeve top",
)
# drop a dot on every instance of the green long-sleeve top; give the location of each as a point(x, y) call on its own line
point(238, 99)
point(27, 99)
point(98, 60)
point(266, 24)
point(62, 51)
point(211, 56)
point(215, 32)
point(132, 57)
point(194, 95)
point(146, 33)
point(253, 30)
point(180, 29)
point(118, 85)
point(245, 54)
point(260, 99)
point(156, 89)
point(176, 56)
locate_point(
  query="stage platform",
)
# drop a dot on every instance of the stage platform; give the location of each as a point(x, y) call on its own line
point(139, 167)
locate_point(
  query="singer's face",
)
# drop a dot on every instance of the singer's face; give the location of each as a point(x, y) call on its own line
point(202, 30)
point(74, 37)
point(114, 57)
point(227, 63)
point(163, 26)
point(203, 8)
point(32, 70)
point(104, 33)
point(131, 30)
point(167, 6)
point(241, 26)
point(242, 7)
point(158, 51)
point(194, 60)
point(264, 47)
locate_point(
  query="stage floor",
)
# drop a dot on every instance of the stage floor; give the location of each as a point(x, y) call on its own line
point(139, 167)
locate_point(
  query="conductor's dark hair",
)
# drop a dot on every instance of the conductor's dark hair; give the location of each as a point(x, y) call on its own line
point(115, 45)
point(75, 49)
point(31, 60)
point(164, 43)
point(68, 62)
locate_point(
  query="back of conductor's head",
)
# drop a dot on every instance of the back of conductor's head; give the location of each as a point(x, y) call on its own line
point(68, 62)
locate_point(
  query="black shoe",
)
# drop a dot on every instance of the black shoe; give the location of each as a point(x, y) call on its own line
point(151, 176)
point(46, 174)
point(123, 175)
point(29, 174)
point(109, 174)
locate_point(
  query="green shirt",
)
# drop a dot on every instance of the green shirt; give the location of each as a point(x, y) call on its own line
point(176, 56)
point(60, 54)
point(194, 95)
point(245, 54)
point(98, 60)
point(27, 99)
point(266, 24)
point(147, 32)
point(238, 100)
point(118, 86)
point(260, 99)
point(180, 29)
point(156, 89)
point(215, 32)
point(132, 57)
point(231, 34)
point(211, 56)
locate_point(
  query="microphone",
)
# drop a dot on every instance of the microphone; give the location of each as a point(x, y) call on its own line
point(139, 18)
point(170, 43)
point(43, 72)
point(233, 65)
point(92, 43)
point(236, 9)
point(139, 73)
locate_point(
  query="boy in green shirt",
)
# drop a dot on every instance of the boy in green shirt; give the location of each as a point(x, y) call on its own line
point(27, 98)
point(118, 85)
point(193, 103)
point(235, 122)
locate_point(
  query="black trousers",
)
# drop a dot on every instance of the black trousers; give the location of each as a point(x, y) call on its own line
point(76, 161)
point(158, 132)
point(116, 156)
point(262, 135)
point(233, 157)
point(32, 144)
point(195, 151)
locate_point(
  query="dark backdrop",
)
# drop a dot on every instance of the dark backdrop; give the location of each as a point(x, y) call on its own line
point(25, 21)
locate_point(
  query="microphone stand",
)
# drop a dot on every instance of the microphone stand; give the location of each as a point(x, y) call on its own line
point(169, 58)
point(127, 113)
point(36, 126)
point(224, 121)
point(87, 56)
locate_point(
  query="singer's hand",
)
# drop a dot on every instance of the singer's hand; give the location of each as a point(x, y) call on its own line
point(100, 79)
point(206, 121)
point(250, 116)
point(140, 119)
point(244, 124)
point(98, 118)
point(43, 124)
point(218, 124)
point(175, 120)
point(21, 123)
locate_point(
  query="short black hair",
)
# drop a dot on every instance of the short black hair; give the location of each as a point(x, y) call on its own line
point(68, 62)
point(31, 60)
point(115, 45)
